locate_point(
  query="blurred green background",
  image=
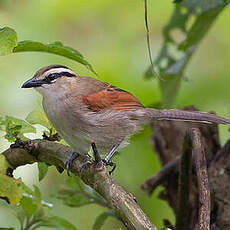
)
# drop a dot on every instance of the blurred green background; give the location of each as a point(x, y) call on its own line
point(111, 35)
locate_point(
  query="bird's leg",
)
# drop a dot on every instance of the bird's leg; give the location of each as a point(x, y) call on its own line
point(70, 159)
point(106, 161)
point(108, 158)
point(96, 154)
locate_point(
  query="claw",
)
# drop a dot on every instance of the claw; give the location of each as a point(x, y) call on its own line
point(109, 163)
point(70, 159)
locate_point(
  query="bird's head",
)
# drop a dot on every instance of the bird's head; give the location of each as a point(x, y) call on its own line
point(47, 77)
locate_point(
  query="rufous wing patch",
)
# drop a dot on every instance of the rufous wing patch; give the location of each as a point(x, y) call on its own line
point(111, 98)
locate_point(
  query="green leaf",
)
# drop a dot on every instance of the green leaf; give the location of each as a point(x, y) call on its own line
point(10, 189)
point(78, 200)
point(58, 223)
point(27, 189)
point(74, 198)
point(73, 182)
point(8, 40)
point(100, 220)
point(38, 117)
point(19, 213)
point(54, 48)
point(25, 126)
point(37, 194)
point(42, 170)
point(15, 127)
point(4, 164)
point(29, 205)
point(31, 202)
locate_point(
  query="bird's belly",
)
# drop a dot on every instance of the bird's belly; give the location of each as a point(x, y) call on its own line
point(69, 128)
point(79, 131)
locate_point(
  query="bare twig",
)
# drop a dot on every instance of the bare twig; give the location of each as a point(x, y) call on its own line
point(160, 177)
point(122, 202)
point(148, 40)
point(202, 180)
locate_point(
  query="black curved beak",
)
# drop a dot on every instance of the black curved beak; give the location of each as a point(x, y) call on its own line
point(33, 83)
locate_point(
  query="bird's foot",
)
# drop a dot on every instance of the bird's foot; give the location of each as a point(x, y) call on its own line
point(99, 162)
point(69, 161)
point(110, 163)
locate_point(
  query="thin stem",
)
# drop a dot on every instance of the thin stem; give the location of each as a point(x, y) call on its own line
point(148, 38)
point(30, 223)
point(160, 177)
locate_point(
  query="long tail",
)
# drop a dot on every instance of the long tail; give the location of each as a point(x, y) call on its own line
point(182, 115)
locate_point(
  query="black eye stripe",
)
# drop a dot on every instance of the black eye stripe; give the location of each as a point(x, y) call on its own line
point(53, 76)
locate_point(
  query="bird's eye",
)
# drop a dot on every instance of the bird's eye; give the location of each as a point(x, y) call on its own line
point(51, 77)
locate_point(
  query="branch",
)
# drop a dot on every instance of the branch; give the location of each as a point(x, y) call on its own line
point(192, 146)
point(122, 202)
point(202, 180)
point(160, 177)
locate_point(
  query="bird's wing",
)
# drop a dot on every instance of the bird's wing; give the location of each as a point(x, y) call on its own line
point(111, 98)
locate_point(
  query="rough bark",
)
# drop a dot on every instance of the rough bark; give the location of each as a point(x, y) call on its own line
point(167, 142)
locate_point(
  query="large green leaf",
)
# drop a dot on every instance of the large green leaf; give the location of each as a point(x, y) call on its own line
point(174, 54)
point(10, 189)
point(29, 205)
point(9, 44)
point(54, 48)
point(8, 40)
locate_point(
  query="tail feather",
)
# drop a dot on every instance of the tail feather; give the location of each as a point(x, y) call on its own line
point(183, 115)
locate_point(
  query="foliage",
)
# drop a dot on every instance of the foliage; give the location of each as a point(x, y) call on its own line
point(42, 170)
point(100, 220)
point(9, 44)
point(171, 61)
point(8, 40)
point(76, 194)
point(33, 212)
point(175, 55)
point(15, 128)
point(54, 48)
point(10, 189)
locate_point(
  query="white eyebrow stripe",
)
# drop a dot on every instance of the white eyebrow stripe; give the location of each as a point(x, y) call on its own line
point(57, 70)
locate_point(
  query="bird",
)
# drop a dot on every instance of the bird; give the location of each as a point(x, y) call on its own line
point(84, 110)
